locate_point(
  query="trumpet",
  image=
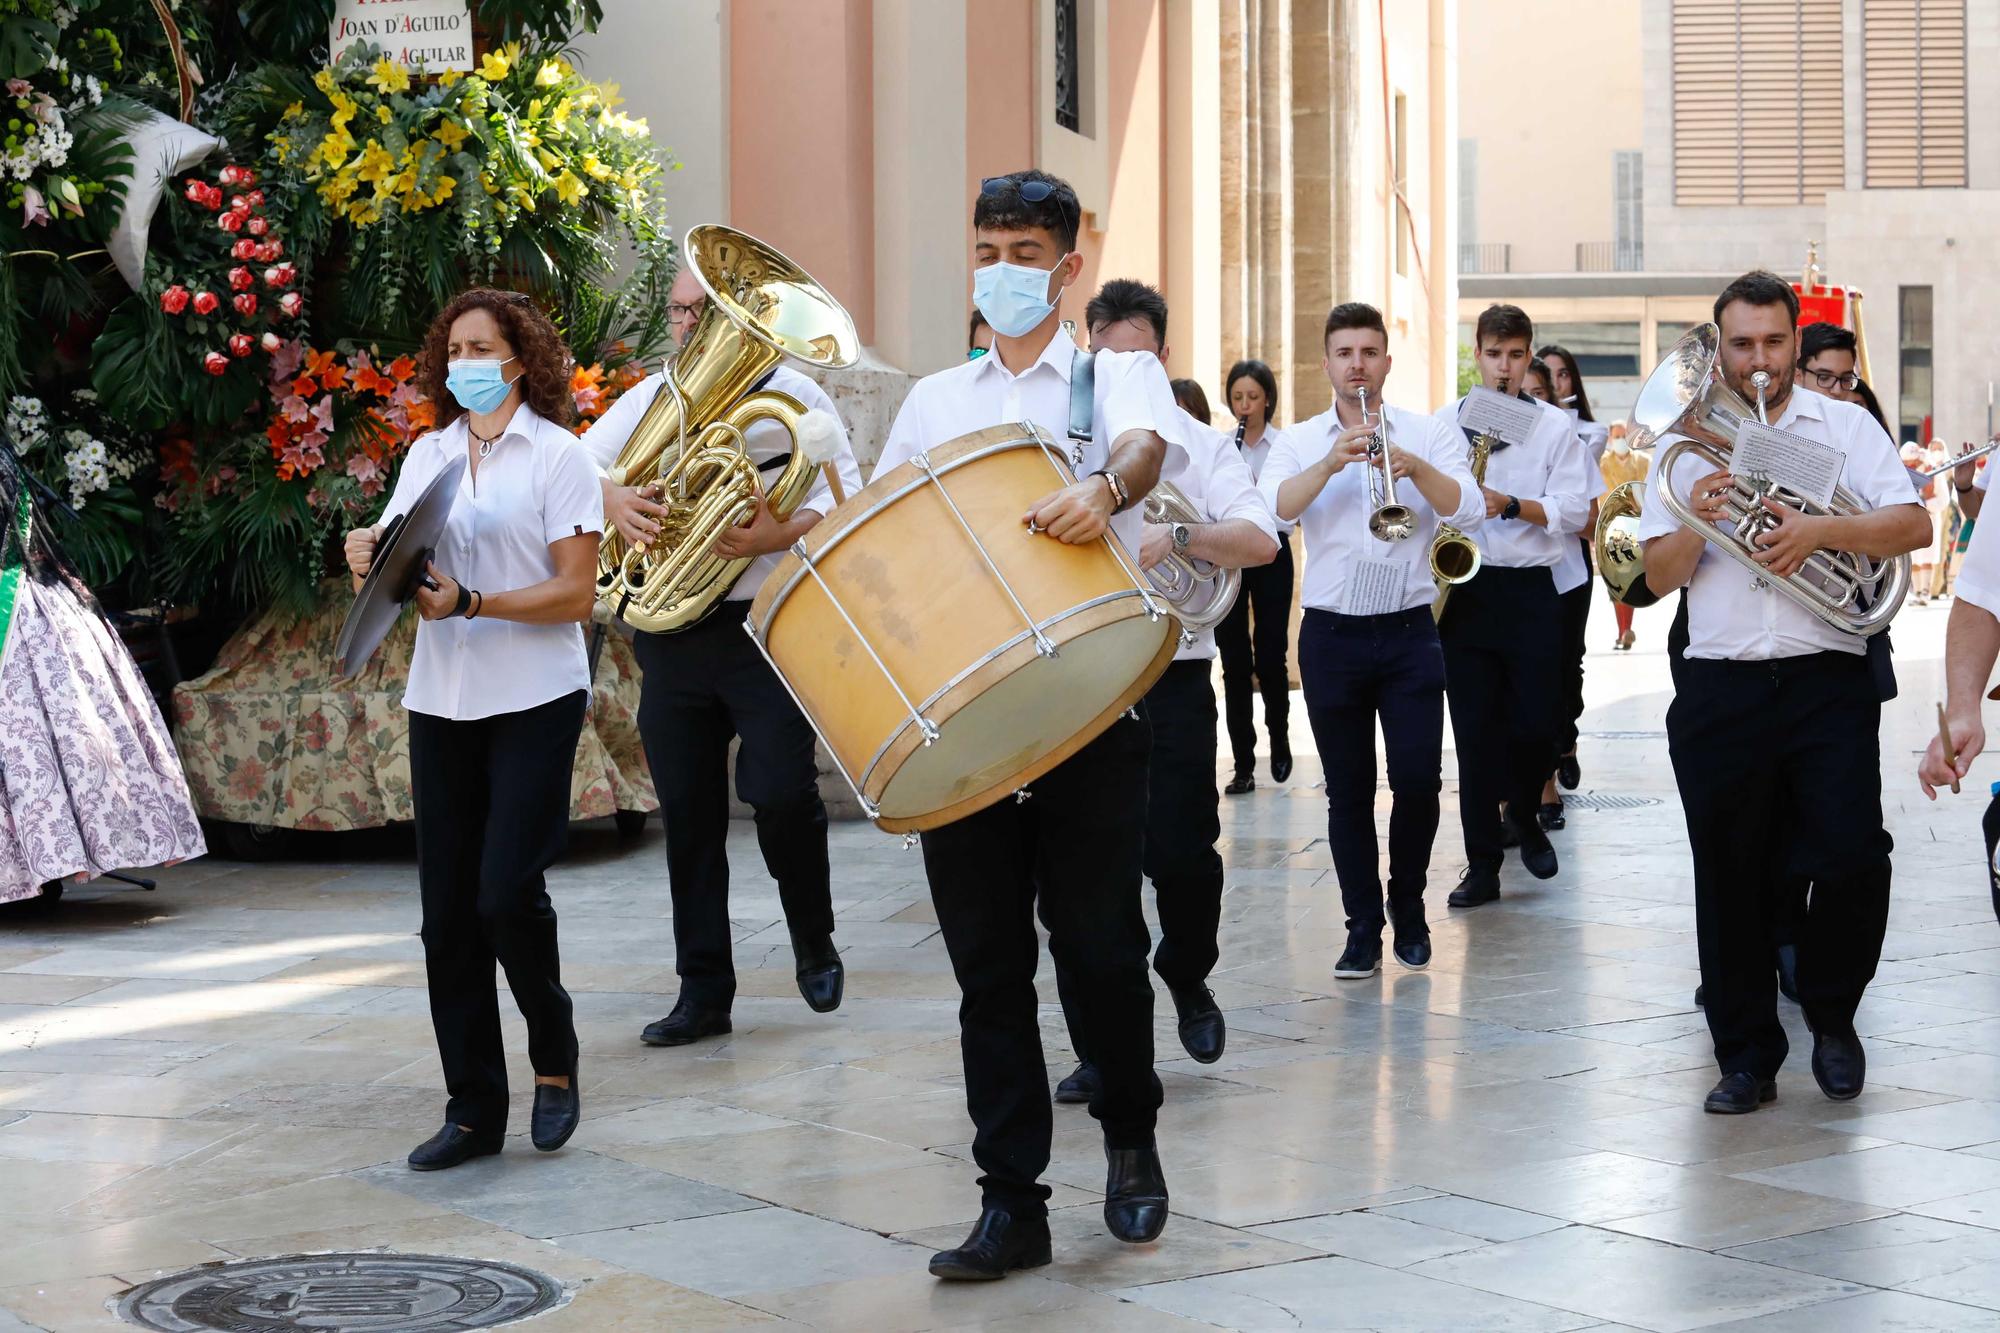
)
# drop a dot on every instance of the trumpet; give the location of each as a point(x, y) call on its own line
point(1455, 557)
point(1968, 457)
point(1388, 521)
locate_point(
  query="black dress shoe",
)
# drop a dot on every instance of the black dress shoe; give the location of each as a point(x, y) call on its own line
point(1788, 972)
point(1477, 885)
point(1568, 773)
point(1740, 1094)
point(1135, 1194)
point(1244, 781)
point(557, 1111)
point(1838, 1063)
point(1538, 855)
point(1281, 759)
point(1413, 951)
point(1203, 1033)
point(688, 1022)
point(822, 976)
point(1551, 817)
point(1080, 1086)
point(1698, 991)
point(452, 1145)
point(1361, 958)
point(1000, 1243)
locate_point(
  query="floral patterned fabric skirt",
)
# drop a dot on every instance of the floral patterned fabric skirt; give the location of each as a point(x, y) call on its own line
point(89, 781)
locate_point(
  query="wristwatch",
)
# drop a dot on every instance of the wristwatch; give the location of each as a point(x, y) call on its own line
point(1181, 533)
point(1513, 509)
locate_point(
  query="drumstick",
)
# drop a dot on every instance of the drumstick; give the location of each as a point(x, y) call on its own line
point(833, 481)
point(1950, 753)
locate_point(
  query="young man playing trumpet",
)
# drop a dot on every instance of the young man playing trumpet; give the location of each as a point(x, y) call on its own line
point(1235, 531)
point(1774, 725)
point(1368, 647)
point(1502, 630)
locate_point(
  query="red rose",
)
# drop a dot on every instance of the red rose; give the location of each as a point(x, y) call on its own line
point(240, 344)
point(281, 276)
point(246, 304)
point(196, 191)
point(241, 279)
point(291, 303)
point(270, 250)
point(238, 204)
point(256, 198)
point(245, 249)
point(230, 222)
point(271, 342)
point(205, 303)
point(174, 299)
point(215, 363)
point(245, 176)
point(231, 175)
point(257, 226)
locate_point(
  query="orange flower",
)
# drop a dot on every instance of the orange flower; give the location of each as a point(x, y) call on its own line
point(305, 386)
point(177, 460)
point(317, 363)
point(586, 377)
point(423, 416)
point(279, 434)
point(333, 377)
point(402, 368)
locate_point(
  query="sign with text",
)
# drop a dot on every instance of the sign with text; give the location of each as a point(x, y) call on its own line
point(436, 34)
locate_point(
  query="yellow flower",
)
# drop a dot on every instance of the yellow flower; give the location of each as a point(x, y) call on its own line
point(535, 109)
point(449, 77)
point(344, 108)
point(551, 73)
point(294, 110)
point(487, 183)
point(451, 134)
point(549, 161)
point(337, 190)
point(493, 66)
point(376, 164)
point(334, 148)
point(596, 168)
point(561, 114)
point(569, 188)
point(382, 113)
point(324, 81)
point(609, 92)
point(442, 190)
point(389, 77)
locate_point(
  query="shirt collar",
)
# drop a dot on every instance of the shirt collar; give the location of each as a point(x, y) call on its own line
point(1060, 353)
point(1803, 403)
point(523, 425)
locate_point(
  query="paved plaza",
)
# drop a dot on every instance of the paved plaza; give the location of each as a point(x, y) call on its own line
point(236, 1065)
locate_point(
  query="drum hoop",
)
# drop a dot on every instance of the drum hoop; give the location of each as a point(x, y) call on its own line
point(1035, 438)
point(925, 706)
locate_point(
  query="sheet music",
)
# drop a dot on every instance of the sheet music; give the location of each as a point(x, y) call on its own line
point(1374, 587)
point(1765, 453)
point(1507, 419)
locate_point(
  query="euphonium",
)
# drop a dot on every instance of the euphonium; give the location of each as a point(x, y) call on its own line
point(761, 308)
point(1201, 592)
point(1455, 557)
point(1621, 556)
point(1686, 396)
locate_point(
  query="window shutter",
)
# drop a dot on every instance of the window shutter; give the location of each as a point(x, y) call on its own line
point(1757, 102)
point(1913, 77)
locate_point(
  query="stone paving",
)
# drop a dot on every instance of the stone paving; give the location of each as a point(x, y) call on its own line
point(236, 1064)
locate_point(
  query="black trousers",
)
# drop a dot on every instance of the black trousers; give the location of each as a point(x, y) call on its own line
point(1779, 768)
point(1502, 639)
point(702, 687)
point(1253, 639)
point(1356, 669)
point(492, 805)
point(1074, 848)
point(1575, 623)
point(1182, 825)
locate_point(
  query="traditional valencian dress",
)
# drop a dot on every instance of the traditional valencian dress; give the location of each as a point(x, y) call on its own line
point(89, 781)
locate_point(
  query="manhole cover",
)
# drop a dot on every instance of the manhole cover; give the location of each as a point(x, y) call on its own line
point(1604, 800)
point(408, 1293)
point(1626, 735)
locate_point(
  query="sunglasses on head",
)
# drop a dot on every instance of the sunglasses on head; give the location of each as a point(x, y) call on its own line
point(1030, 192)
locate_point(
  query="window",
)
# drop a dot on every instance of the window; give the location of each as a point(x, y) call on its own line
point(1757, 101)
point(1398, 215)
point(1468, 192)
point(1665, 334)
point(1069, 70)
point(1913, 80)
point(1628, 217)
point(1913, 363)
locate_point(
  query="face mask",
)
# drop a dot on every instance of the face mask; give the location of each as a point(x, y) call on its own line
point(1013, 298)
point(477, 383)
point(1621, 445)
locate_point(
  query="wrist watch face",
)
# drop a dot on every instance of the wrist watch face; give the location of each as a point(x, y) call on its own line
point(1180, 536)
point(1513, 509)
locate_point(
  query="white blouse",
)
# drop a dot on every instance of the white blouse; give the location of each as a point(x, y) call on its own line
point(536, 487)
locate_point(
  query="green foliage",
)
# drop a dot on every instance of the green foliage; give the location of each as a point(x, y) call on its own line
point(1468, 370)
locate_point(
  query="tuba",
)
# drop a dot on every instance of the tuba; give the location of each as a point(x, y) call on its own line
point(1455, 557)
point(689, 446)
point(1686, 395)
point(1201, 593)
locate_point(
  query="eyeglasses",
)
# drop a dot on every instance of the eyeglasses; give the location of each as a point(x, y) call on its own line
point(1030, 192)
point(1826, 379)
point(676, 311)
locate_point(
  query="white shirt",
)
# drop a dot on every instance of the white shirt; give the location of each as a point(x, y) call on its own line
point(1573, 570)
point(1550, 466)
point(1336, 522)
point(1257, 456)
point(764, 441)
point(536, 487)
point(1978, 577)
point(1728, 617)
point(1131, 393)
point(1214, 476)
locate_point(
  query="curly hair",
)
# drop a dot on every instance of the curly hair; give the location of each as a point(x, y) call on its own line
point(545, 362)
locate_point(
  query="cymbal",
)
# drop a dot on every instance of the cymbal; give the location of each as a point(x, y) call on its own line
point(406, 545)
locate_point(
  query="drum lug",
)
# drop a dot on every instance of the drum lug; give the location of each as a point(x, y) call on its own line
point(1021, 795)
point(1187, 639)
point(928, 730)
point(910, 841)
point(1044, 646)
point(1133, 713)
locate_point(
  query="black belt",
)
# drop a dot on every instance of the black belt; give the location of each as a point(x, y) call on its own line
point(1416, 615)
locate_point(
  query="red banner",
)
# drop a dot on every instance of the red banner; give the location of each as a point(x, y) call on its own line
point(1822, 305)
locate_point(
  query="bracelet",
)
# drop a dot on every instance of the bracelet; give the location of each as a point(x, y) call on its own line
point(464, 600)
point(1963, 490)
point(478, 605)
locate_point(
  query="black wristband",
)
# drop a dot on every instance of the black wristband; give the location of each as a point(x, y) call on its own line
point(464, 600)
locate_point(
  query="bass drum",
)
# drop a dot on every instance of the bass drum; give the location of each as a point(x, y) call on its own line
point(946, 655)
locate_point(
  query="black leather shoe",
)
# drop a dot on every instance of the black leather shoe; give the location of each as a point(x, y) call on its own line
point(1838, 1063)
point(1000, 1243)
point(1568, 772)
point(1080, 1086)
point(1551, 817)
point(452, 1145)
point(1537, 854)
point(1788, 972)
point(688, 1022)
point(1413, 951)
point(1281, 759)
point(1698, 991)
point(1243, 782)
point(1475, 886)
point(822, 976)
point(1361, 958)
point(557, 1111)
point(1135, 1194)
point(1203, 1033)
point(1740, 1094)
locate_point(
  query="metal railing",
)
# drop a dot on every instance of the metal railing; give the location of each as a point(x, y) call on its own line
point(1492, 257)
point(1609, 257)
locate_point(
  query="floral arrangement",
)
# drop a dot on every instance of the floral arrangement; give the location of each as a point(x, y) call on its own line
point(234, 296)
point(88, 460)
point(44, 90)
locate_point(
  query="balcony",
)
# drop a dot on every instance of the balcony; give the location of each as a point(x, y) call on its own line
point(1610, 257)
point(1495, 257)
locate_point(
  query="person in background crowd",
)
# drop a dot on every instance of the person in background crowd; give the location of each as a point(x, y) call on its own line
point(1827, 356)
point(978, 337)
point(1255, 638)
point(1944, 516)
point(1192, 400)
point(1920, 559)
point(1622, 463)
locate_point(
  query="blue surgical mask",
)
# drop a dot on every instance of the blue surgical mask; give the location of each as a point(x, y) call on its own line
point(1013, 298)
point(477, 383)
